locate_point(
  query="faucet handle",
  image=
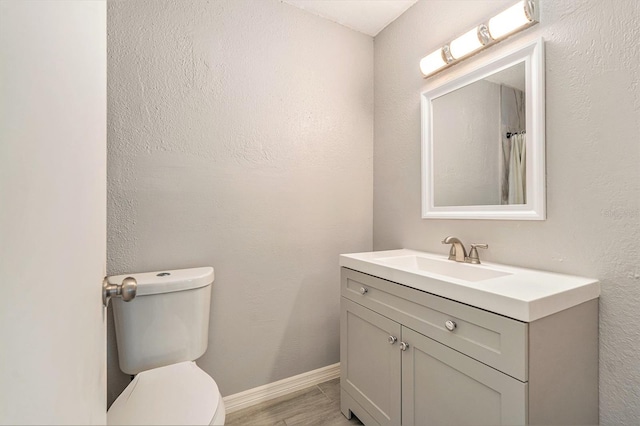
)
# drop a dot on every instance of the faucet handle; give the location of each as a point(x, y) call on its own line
point(473, 253)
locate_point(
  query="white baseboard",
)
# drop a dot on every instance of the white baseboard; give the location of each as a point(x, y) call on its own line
point(282, 387)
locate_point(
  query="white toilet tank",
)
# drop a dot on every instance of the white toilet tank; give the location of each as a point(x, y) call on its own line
point(168, 320)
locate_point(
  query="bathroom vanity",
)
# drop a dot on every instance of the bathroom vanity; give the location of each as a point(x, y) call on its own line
point(429, 341)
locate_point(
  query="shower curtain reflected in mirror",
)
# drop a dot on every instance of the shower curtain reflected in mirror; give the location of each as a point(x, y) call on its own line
point(517, 169)
point(513, 164)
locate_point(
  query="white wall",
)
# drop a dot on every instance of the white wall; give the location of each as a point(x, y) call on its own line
point(593, 163)
point(240, 136)
point(52, 211)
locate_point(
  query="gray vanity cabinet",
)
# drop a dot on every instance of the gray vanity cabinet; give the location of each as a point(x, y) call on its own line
point(412, 358)
point(441, 386)
point(372, 362)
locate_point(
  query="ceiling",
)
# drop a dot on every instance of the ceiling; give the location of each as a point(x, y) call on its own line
point(366, 16)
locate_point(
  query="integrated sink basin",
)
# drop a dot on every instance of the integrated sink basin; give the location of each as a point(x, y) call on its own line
point(519, 293)
point(446, 268)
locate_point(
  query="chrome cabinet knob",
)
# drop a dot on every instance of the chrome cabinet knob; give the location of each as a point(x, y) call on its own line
point(364, 290)
point(404, 346)
point(392, 340)
point(127, 290)
point(450, 325)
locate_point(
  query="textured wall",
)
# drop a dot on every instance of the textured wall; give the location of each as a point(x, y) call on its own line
point(240, 136)
point(593, 163)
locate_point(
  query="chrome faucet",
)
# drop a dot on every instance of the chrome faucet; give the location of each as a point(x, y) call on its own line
point(459, 253)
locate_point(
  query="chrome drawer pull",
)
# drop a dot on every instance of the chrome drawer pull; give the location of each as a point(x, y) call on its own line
point(364, 290)
point(451, 325)
point(392, 340)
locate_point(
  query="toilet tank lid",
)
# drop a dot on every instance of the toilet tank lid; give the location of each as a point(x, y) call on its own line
point(169, 280)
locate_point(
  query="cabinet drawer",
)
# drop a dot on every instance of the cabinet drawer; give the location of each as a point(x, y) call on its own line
point(497, 341)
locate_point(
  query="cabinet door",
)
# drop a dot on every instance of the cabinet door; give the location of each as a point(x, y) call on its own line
point(370, 364)
point(441, 386)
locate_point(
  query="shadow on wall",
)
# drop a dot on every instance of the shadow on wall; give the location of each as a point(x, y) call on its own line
point(117, 381)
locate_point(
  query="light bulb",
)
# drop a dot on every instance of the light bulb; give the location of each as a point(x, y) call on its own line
point(508, 21)
point(432, 62)
point(465, 44)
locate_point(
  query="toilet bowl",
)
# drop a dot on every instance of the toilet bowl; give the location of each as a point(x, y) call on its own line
point(176, 394)
point(160, 334)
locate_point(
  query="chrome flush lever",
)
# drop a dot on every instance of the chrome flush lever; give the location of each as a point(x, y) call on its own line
point(127, 290)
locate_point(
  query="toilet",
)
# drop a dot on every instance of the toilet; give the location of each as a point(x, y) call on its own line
point(160, 333)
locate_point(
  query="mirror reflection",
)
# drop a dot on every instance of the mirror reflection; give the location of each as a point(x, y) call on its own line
point(479, 142)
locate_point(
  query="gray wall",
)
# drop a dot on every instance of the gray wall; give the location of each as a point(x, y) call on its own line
point(466, 146)
point(240, 136)
point(593, 163)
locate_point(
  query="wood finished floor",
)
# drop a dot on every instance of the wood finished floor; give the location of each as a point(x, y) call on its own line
point(317, 405)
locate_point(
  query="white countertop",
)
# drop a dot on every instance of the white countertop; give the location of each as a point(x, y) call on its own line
point(522, 294)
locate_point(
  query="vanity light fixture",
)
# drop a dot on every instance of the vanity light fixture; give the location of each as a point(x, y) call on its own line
point(465, 44)
point(516, 18)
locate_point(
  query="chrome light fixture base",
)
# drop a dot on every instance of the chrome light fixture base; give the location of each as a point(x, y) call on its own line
point(483, 34)
point(516, 18)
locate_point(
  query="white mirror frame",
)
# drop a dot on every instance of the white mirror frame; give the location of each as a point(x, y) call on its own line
point(532, 54)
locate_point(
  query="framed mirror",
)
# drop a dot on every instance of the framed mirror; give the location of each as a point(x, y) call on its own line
point(483, 144)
